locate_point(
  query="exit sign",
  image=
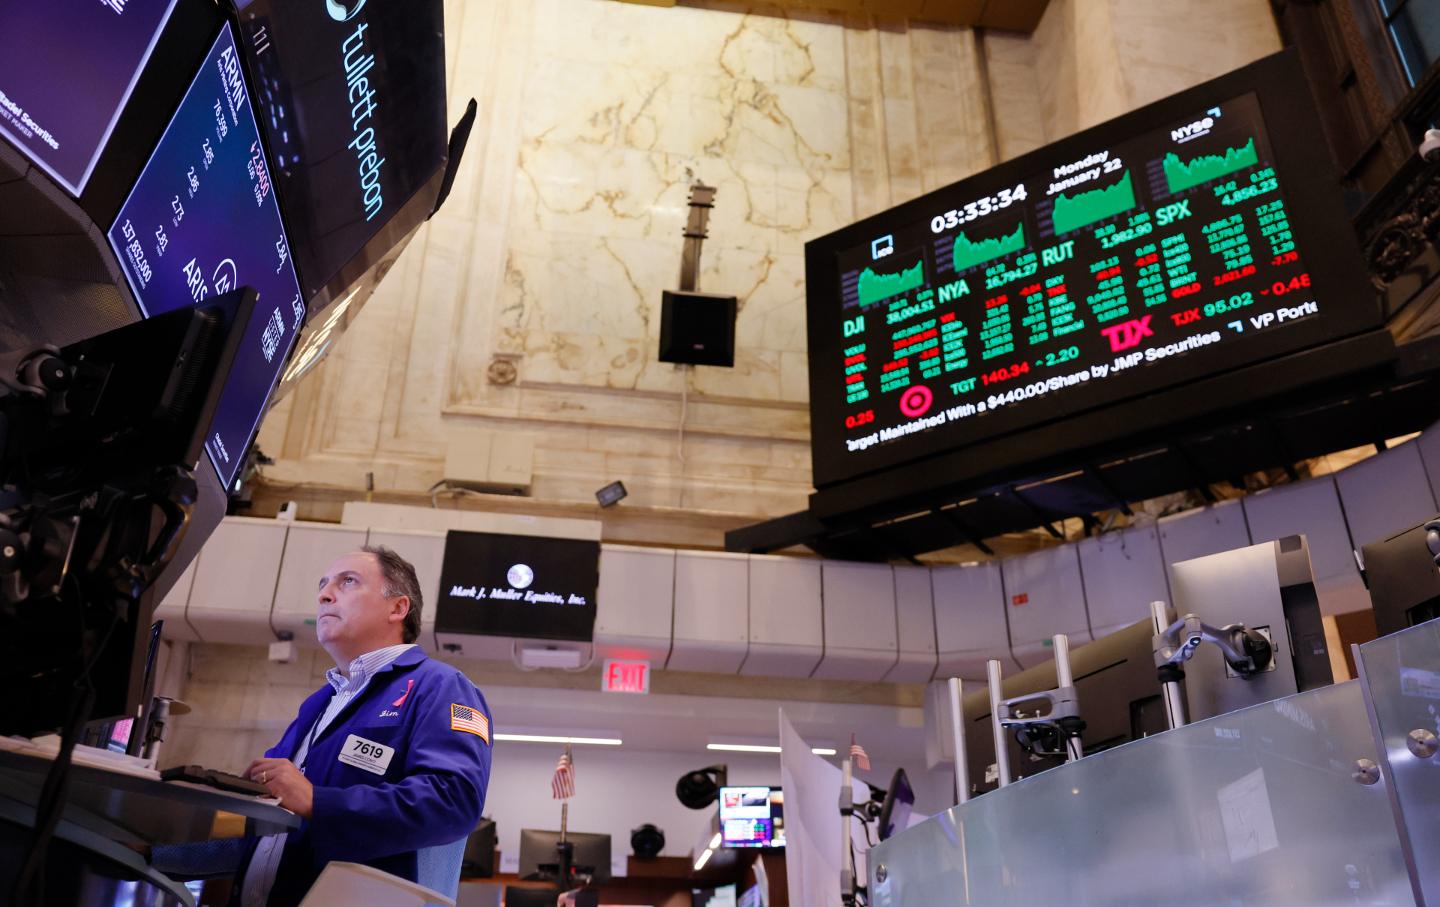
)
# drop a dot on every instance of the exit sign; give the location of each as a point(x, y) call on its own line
point(625, 676)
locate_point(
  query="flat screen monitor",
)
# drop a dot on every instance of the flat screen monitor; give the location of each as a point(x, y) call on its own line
point(895, 810)
point(479, 859)
point(353, 95)
point(1269, 588)
point(1403, 579)
point(1119, 695)
point(128, 734)
point(538, 858)
point(129, 413)
point(524, 586)
point(119, 737)
point(201, 220)
point(1194, 236)
point(752, 817)
point(67, 67)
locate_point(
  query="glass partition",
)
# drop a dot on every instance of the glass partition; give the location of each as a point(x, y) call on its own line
point(1257, 807)
point(1401, 675)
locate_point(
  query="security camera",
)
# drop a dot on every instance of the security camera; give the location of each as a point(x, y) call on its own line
point(1430, 146)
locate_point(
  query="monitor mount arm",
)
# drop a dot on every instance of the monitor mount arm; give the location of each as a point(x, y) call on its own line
point(1246, 651)
point(1044, 732)
point(702, 199)
point(1052, 731)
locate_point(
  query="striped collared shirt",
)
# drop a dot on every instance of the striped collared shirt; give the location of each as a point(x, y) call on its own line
point(347, 686)
point(260, 875)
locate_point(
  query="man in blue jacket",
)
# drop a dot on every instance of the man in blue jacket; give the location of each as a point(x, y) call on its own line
point(388, 760)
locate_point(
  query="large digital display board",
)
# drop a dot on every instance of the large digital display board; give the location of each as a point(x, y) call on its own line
point(202, 220)
point(1190, 237)
point(67, 67)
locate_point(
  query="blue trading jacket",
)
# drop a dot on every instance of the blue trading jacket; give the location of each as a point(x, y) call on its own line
point(430, 794)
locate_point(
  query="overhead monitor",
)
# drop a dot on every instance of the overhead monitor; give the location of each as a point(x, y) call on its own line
point(752, 817)
point(201, 220)
point(492, 584)
point(1196, 235)
point(353, 95)
point(67, 68)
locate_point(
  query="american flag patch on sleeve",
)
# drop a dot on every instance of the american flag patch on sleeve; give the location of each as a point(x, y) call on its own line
point(473, 721)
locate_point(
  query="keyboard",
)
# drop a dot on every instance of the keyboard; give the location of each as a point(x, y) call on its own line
point(222, 780)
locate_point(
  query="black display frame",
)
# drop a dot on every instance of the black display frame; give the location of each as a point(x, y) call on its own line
point(464, 549)
point(1318, 220)
point(252, 21)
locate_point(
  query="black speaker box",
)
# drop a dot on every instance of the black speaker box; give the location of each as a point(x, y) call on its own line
point(697, 328)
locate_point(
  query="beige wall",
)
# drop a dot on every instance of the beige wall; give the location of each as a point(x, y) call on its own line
point(564, 227)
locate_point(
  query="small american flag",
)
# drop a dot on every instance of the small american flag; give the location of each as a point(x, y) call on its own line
point(857, 752)
point(472, 721)
point(562, 784)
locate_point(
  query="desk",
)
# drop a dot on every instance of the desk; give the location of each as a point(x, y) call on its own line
point(109, 812)
point(131, 809)
point(653, 881)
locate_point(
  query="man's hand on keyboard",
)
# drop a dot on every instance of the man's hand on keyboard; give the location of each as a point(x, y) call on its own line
point(285, 781)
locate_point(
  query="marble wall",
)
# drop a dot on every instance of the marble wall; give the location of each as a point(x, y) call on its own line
point(564, 226)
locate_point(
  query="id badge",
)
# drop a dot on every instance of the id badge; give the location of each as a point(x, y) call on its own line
point(367, 754)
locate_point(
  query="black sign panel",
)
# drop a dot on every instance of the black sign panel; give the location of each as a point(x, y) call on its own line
point(1193, 236)
point(518, 585)
point(352, 101)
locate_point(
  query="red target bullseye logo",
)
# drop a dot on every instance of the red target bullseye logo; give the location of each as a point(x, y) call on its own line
point(916, 401)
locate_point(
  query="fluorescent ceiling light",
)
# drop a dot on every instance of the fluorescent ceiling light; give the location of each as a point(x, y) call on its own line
point(714, 842)
point(704, 858)
point(545, 738)
point(762, 748)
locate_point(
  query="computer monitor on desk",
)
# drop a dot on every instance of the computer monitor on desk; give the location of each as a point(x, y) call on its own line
point(752, 817)
point(539, 859)
point(479, 859)
point(1403, 578)
point(1270, 588)
point(1119, 699)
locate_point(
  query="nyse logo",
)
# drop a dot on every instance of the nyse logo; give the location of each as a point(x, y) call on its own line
point(1193, 130)
point(341, 11)
point(1124, 336)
